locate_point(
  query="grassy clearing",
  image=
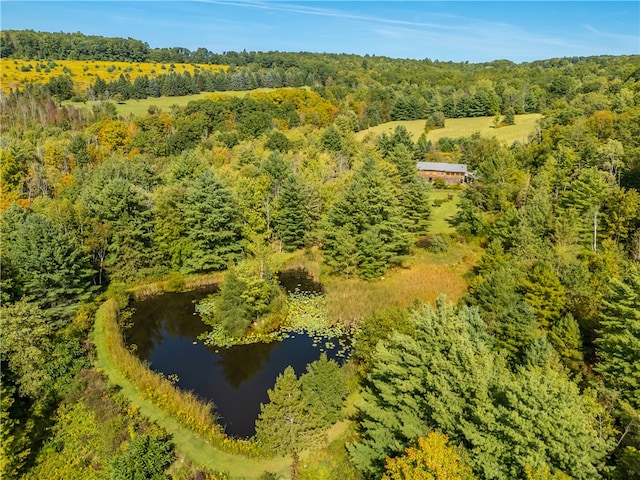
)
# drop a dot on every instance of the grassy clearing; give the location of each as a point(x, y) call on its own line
point(112, 356)
point(464, 127)
point(16, 73)
point(141, 107)
point(442, 213)
point(424, 277)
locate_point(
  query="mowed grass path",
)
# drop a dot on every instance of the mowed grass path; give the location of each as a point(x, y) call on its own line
point(463, 127)
point(199, 451)
point(440, 215)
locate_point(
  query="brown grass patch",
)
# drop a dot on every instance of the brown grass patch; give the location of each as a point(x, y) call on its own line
point(424, 277)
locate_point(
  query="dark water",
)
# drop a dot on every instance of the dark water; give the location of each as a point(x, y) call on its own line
point(299, 279)
point(236, 379)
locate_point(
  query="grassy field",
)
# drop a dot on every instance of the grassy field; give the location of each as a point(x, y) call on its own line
point(18, 73)
point(464, 127)
point(424, 276)
point(141, 107)
point(441, 214)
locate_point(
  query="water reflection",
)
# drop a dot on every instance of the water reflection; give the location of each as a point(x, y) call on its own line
point(299, 279)
point(240, 364)
point(169, 313)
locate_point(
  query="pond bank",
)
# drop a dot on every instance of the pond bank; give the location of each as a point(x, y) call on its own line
point(119, 365)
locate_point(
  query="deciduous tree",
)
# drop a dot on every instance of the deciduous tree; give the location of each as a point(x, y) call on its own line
point(430, 459)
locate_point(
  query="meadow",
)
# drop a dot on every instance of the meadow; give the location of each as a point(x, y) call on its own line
point(138, 108)
point(463, 127)
point(17, 73)
point(444, 206)
point(422, 277)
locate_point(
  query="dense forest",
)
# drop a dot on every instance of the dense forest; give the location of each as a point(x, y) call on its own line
point(533, 373)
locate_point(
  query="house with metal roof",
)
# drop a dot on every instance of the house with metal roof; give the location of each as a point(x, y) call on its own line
point(449, 173)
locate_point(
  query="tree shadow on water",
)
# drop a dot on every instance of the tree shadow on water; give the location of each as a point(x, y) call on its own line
point(299, 279)
point(241, 363)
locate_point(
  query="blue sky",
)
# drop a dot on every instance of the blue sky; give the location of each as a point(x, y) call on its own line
point(473, 31)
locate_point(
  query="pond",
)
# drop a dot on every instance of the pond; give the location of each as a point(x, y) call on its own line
point(236, 379)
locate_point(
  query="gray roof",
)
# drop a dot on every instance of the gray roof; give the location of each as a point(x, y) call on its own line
point(443, 167)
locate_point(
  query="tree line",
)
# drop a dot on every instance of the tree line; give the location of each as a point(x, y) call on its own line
point(377, 89)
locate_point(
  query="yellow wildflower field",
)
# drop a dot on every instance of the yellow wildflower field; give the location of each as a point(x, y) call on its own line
point(17, 73)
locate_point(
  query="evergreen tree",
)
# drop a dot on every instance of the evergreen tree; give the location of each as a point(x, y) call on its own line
point(324, 384)
point(509, 116)
point(423, 146)
point(544, 292)
point(533, 411)
point(565, 337)
point(50, 267)
point(331, 139)
point(288, 423)
point(116, 195)
point(212, 225)
point(445, 377)
point(365, 230)
point(515, 328)
point(618, 347)
point(292, 220)
point(377, 327)
point(402, 158)
point(373, 257)
point(232, 312)
point(341, 249)
point(277, 170)
point(469, 219)
point(416, 204)
point(587, 196)
point(436, 377)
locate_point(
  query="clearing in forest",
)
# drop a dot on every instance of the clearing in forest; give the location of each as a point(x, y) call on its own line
point(139, 108)
point(464, 127)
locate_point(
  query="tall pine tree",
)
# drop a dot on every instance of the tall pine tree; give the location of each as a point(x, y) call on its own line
point(619, 342)
point(445, 377)
point(365, 230)
point(288, 424)
point(51, 269)
point(292, 219)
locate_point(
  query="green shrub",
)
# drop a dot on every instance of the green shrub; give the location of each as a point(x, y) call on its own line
point(435, 243)
point(174, 283)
